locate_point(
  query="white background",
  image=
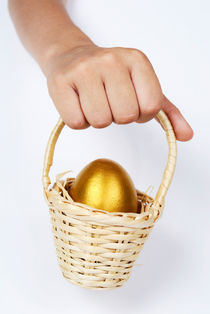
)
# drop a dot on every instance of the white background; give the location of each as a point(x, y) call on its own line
point(175, 274)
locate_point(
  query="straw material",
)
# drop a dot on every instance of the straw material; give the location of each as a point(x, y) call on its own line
point(96, 249)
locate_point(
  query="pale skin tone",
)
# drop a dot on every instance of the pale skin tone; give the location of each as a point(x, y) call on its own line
point(90, 85)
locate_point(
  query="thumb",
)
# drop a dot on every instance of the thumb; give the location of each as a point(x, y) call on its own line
point(182, 129)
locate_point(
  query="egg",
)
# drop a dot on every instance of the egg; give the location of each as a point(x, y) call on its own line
point(105, 184)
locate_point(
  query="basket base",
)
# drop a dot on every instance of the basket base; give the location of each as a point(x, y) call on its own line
point(106, 286)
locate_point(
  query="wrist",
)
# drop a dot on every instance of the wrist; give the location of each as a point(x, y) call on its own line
point(56, 49)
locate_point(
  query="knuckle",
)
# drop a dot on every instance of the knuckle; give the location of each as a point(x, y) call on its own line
point(57, 78)
point(110, 57)
point(56, 83)
point(173, 109)
point(138, 55)
point(82, 67)
point(152, 108)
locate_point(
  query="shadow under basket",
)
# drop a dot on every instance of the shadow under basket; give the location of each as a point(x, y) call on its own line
point(97, 249)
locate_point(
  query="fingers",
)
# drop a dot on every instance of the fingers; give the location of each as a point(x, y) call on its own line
point(94, 101)
point(182, 129)
point(96, 86)
point(147, 86)
point(112, 85)
point(151, 98)
point(68, 105)
point(121, 95)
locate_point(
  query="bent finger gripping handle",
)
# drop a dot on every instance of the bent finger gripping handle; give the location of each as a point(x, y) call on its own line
point(168, 172)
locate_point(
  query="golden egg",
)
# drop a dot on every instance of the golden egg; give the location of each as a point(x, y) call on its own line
point(104, 184)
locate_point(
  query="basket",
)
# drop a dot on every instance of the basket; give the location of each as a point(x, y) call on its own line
point(97, 249)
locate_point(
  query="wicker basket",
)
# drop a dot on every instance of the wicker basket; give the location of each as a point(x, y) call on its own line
point(96, 249)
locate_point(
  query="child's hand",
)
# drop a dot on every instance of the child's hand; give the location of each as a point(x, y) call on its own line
point(95, 86)
point(90, 85)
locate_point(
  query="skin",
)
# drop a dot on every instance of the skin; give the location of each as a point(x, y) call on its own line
point(90, 85)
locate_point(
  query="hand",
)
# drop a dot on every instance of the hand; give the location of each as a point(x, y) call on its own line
point(96, 86)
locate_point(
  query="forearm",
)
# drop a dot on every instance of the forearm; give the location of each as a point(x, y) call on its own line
point(45, 28)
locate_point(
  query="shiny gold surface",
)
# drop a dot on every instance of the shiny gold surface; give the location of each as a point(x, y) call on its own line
point(104, 184)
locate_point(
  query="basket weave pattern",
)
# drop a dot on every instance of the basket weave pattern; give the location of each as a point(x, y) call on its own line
point(96, 249)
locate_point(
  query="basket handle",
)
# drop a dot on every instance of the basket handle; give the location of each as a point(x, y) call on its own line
point(168, 172)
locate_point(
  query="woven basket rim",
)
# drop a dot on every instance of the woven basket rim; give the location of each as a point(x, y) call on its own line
point(154, 210)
